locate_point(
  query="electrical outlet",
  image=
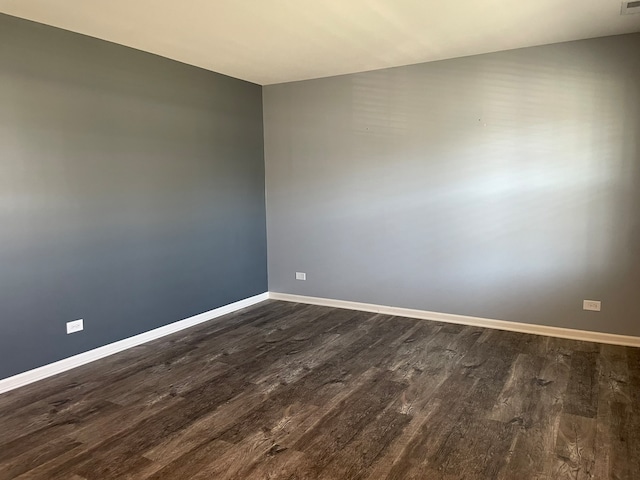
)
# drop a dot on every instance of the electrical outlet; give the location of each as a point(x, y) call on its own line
point(301, 276)
point(592, 305)
point(75, 326)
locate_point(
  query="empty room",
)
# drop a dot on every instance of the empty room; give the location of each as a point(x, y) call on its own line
point(338, 240)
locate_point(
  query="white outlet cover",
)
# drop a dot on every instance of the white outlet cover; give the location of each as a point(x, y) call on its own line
point(75, 326)
point(301, 276)
point(592, 305)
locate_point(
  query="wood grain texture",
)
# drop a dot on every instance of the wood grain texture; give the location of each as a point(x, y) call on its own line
point(290, 391)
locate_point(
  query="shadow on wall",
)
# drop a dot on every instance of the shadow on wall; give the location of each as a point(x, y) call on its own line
point(479, 186)
point(536, 150)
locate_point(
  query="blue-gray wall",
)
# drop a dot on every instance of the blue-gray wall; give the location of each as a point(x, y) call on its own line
point(502, 186)
point(132, 192)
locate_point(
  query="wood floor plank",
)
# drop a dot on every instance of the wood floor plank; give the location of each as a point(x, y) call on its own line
point(437, 356)
point(290, 391)
point(35, 457)
point(280, 465)
point(582, 391)
point(514, 402)
point(357, 458)
point(538, 420)
point(123, 452)
point(476, 384)
point(575, 448)
point(66, 423)
point(633, 419)
point(476, 447)
point(612, 436)
point(338, 428)
point(318, 386)
point(93, 433)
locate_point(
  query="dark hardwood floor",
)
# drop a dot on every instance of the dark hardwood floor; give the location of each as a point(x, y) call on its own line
point(290, 391)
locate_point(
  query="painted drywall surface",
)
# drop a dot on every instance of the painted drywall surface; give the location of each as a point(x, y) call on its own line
point(503, 186)
point(132, 192)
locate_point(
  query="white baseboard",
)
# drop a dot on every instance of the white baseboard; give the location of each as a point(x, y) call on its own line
point(569, 333)
point(55, 368)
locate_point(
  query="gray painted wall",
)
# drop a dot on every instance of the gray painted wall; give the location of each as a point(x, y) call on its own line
point(132, 192)
point(503, 186)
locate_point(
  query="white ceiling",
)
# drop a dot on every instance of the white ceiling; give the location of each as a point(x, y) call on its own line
point(272, 41)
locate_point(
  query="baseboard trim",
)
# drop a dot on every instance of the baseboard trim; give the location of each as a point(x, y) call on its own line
point(63, 365)
point(559, 332)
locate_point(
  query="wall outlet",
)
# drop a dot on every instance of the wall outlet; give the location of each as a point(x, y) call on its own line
point(301, 276)
point(75, 326)
point(593, 305)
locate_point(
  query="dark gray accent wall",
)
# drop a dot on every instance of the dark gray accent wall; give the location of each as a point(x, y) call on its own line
point(132, 192)
point(502, 186)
